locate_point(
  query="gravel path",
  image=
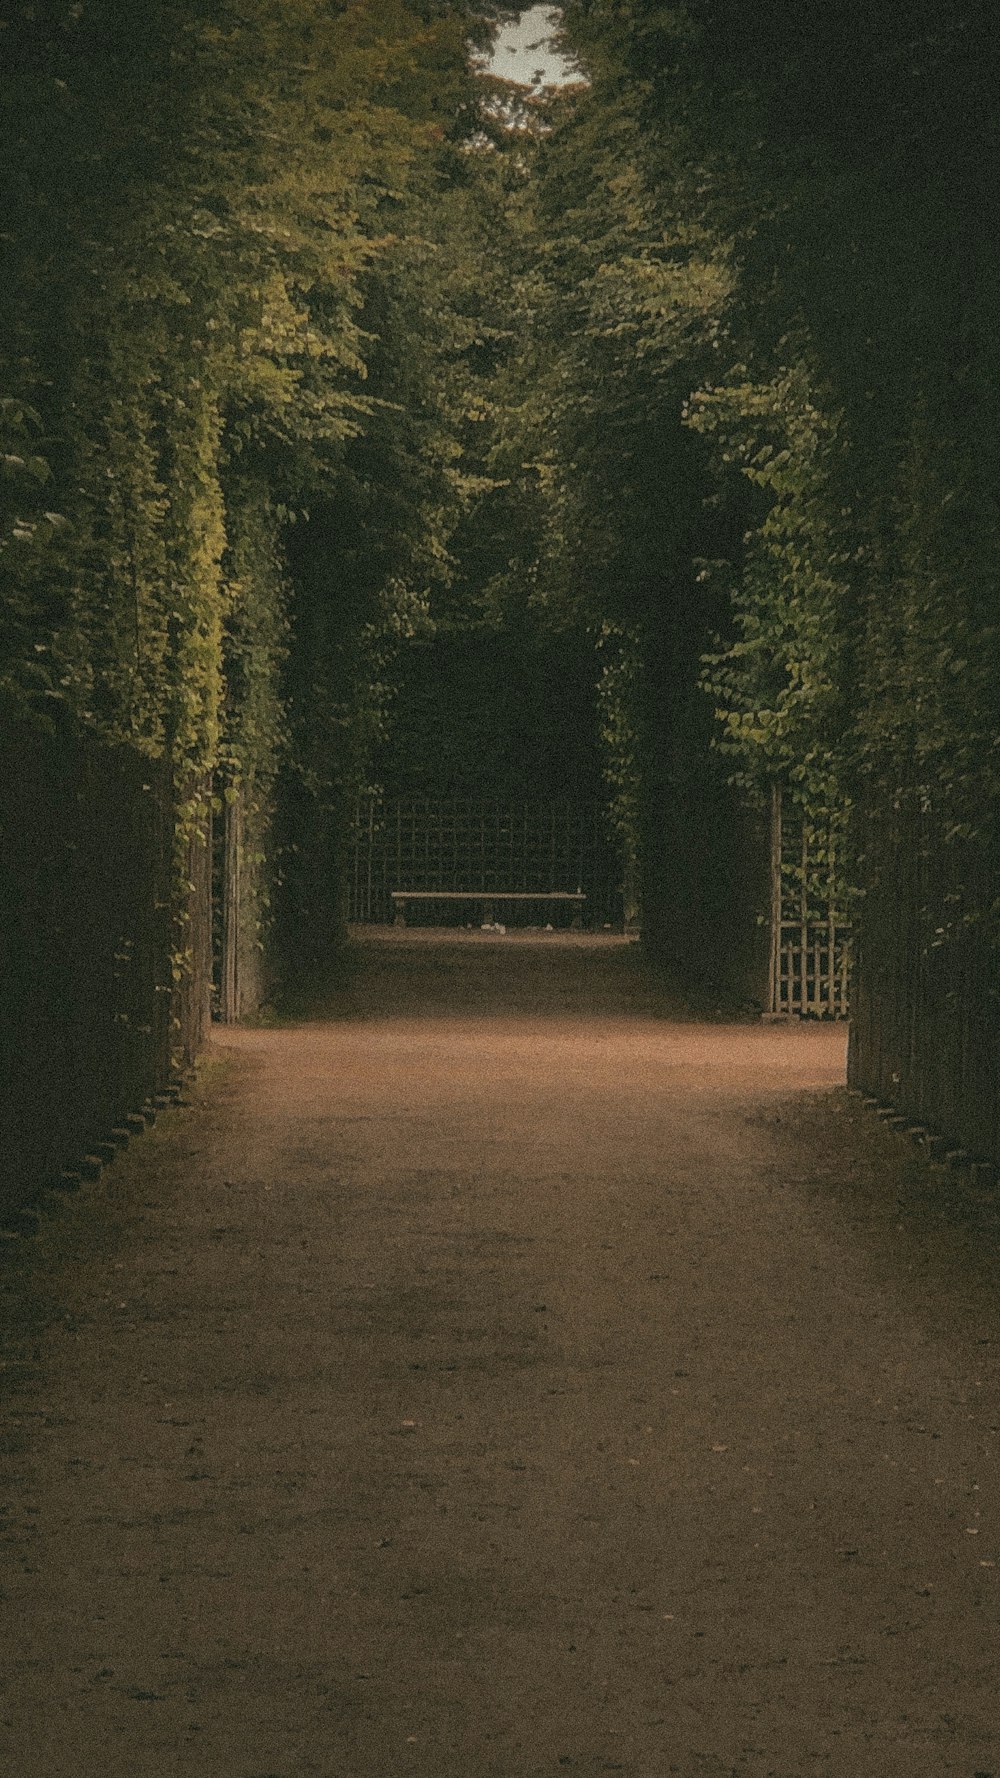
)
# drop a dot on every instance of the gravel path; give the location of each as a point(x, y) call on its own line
point(510, 1377)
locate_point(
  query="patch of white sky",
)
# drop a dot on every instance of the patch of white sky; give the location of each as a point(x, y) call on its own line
point(524, 51)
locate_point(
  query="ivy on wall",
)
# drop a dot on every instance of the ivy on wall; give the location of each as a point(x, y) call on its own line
point(311, 336)
point(222, 313)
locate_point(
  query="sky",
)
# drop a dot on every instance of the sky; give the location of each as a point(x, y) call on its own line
point(514, 59)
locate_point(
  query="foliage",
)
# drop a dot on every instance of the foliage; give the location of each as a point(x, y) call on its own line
point(219, 265)
point(844, 158)
point(603, 303)
point(311, 338)
point(779, 685)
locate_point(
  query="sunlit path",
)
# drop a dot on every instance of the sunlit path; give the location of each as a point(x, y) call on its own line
point(501, 1393)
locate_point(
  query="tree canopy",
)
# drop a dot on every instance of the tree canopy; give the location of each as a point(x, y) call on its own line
point(314, 335)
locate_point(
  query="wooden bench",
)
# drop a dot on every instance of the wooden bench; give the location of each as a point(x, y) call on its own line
point(488, 898)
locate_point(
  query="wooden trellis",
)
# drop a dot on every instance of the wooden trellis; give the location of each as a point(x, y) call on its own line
point(810, 933)
point(456, 845)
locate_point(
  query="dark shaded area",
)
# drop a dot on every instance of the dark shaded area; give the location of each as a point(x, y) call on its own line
point(332, 715)
point(703, 847)
point(86, 834)
point(508, 714)
point(926, 999)
point(544, 975)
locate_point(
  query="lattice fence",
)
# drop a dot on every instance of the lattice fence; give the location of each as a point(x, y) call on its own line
point(810, 932)
point(478, 847)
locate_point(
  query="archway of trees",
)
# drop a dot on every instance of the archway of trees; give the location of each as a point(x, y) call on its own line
point(327, 356)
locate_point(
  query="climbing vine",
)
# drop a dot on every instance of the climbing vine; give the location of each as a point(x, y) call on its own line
point(222, 230)
point(779, 685)
point(311, 336)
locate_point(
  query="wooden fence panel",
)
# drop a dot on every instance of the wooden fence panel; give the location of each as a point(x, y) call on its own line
point(926, 1017)
point(86, 836)
point(810, 932)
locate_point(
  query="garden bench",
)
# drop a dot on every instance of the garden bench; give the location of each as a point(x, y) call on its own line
point(488, 898)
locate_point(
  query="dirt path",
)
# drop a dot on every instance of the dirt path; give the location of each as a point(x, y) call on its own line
point(466, 1393)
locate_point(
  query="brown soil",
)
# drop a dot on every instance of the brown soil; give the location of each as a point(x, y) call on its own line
point(510, 1376)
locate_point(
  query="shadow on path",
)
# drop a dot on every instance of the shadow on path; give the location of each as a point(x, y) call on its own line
point(432, 972)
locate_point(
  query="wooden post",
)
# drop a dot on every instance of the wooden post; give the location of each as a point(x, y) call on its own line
point(232, 865)
point(804, 927)
point(191, 1000)
point(630, 893)
point(369, 856)
point(774, 970)
point(831, 934)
